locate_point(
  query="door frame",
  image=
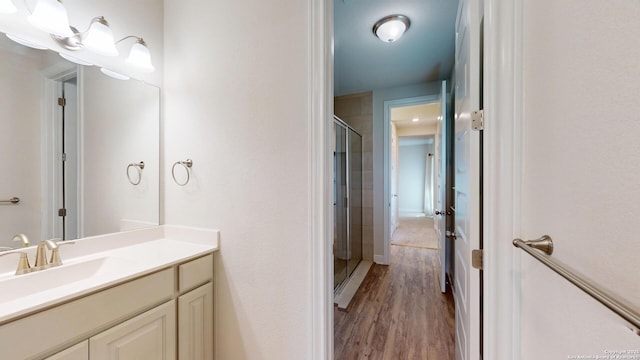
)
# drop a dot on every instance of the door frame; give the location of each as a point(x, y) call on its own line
point(502, 157)
point(503, 79)
point(388, 105)
point(51, 80)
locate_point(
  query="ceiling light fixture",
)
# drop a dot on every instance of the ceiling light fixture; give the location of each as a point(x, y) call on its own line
point(391, 28)
point(415, 119)
point(7, 7)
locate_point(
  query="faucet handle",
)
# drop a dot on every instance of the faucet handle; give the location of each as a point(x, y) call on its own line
point(23, 263)
point(55, 252)
point(22, 238)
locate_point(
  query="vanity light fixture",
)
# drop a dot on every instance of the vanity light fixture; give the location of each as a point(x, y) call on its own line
point(139, 55)
point(391, 28)
point(50, 16)
point(99, 38)
point(7, 7)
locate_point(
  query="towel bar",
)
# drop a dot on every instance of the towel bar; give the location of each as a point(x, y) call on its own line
point(617, 306)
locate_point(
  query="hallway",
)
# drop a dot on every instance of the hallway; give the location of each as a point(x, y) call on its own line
point(398, 312)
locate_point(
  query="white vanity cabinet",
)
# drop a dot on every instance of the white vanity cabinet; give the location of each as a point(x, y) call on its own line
point(195, 310)
point(77, 352)
point(147, 336)
point(167, 314)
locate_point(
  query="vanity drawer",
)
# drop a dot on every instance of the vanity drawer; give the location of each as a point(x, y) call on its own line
point(195, 273)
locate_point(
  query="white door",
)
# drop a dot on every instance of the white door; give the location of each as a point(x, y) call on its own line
point(394, 180)
point(440, 213)
point(467, 184)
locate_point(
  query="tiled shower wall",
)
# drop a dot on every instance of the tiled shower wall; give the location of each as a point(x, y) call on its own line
point(357, 111)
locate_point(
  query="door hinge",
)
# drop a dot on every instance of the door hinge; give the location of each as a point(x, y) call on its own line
point(477, 120)
point(62, 212)
point(62, 101)
point(64, 157)
point(476, 259)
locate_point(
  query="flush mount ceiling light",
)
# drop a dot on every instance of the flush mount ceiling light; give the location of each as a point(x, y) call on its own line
point(415, 119)
point(391, 28)
point(7, 7)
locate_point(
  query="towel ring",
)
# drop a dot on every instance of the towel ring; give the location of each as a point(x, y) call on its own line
point(187, 166)
point(138, 166)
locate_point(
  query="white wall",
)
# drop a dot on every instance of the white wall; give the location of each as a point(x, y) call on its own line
point(238, 107)
point(581, 172)
point(379, 97)
point(120, 126)
point(20, 145)
point(412, 166)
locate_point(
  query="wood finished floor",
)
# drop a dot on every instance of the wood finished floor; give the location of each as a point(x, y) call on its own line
point(399, 312)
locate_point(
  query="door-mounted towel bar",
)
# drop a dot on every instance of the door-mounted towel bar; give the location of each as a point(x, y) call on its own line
point(13, 200)
point(544, 246)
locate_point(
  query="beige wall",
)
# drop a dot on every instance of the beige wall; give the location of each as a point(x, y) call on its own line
point(357, 111)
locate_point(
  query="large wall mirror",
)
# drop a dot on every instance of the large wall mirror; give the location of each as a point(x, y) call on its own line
point(83, 166)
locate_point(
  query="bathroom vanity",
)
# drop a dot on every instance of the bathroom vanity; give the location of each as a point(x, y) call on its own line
point(143, 294)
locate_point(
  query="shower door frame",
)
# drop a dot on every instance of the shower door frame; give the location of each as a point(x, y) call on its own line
point(339, 122)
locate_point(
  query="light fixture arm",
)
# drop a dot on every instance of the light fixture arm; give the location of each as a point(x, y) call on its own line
point(139, 39)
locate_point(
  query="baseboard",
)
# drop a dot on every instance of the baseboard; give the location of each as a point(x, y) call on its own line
point(379, 259)
point(343, 299)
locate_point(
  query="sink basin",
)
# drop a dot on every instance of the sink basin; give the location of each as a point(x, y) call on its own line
point(66, 275)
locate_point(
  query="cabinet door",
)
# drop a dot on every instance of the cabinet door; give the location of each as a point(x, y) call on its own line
point(195, 324)
point(150, 335)
point(76, 352)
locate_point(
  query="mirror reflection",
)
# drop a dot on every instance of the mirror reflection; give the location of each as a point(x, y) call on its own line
point(78, 148)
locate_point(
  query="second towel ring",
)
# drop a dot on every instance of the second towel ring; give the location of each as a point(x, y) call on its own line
point(138, 166)
point(187, 164)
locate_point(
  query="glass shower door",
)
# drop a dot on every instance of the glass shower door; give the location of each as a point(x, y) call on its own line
point(354, 163)
point(340, 255)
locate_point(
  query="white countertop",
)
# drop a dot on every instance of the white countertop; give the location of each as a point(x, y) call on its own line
point(98, 262)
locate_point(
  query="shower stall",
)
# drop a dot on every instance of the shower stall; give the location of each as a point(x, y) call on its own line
point(347, 201)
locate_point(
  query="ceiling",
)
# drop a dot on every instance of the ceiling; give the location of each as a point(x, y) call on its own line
point(427, 115)
point(362, 62)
